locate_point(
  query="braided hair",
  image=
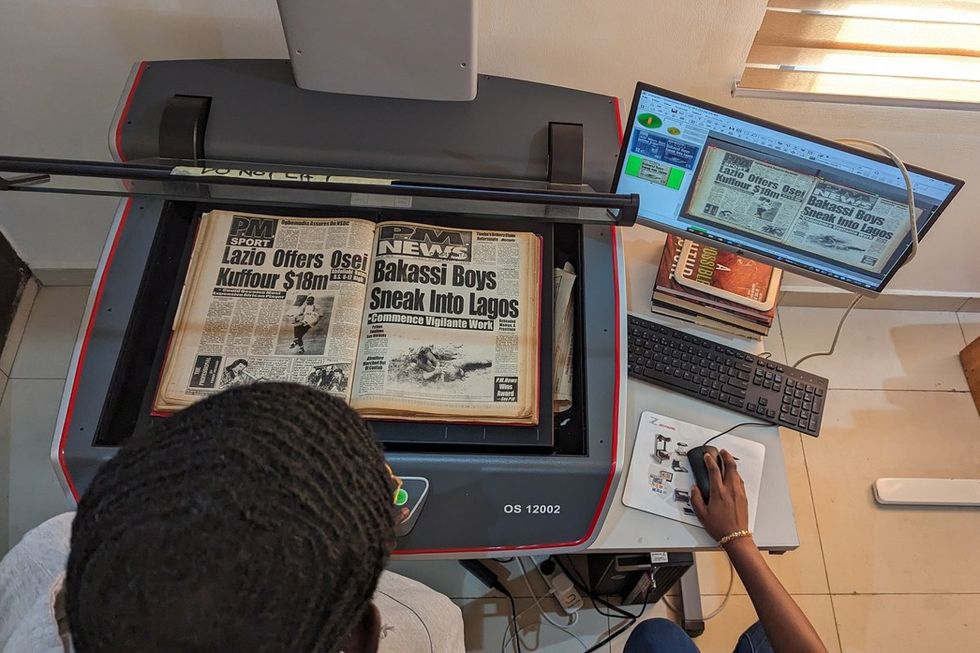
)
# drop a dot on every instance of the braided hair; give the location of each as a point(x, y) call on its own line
point(258, 519)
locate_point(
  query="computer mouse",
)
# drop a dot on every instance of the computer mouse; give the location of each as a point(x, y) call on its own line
point(695, 457)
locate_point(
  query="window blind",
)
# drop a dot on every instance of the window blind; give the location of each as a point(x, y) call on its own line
point(899, 52)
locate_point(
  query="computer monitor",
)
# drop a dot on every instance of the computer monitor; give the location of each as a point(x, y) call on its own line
point(796, 201)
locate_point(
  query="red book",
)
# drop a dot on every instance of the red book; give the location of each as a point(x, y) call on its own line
point(668, 290)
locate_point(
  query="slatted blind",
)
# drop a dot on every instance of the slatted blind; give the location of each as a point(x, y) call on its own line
point(898, 52)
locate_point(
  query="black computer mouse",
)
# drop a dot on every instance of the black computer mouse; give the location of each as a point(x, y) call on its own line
point(695, 457)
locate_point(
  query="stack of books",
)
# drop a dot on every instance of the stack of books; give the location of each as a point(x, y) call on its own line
point(705, 286)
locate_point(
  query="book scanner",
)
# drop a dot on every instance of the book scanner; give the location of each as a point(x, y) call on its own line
point(521, 155)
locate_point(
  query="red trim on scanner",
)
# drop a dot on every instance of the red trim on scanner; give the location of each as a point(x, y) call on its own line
point(84, 349)
point(617, 294)
point(126, 107)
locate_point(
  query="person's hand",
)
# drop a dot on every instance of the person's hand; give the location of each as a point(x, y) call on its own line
point(728, 510)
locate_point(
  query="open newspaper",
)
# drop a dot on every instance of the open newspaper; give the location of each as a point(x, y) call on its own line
point(405, 321)
point(805, 211)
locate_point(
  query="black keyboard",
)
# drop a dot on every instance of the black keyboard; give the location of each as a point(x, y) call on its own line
point(727, 377)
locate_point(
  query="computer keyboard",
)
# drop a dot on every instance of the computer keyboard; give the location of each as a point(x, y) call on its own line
point(724, 376)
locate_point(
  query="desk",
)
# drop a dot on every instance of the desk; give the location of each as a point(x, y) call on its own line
point(628, 529)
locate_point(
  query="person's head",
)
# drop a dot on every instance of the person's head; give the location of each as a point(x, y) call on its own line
point(238, 366)
point(258, 519)
point(309, 300)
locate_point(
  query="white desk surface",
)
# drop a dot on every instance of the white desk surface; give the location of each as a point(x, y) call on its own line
point(628, 529)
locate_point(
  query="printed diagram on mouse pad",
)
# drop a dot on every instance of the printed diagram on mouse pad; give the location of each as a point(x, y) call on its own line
point(659, 479)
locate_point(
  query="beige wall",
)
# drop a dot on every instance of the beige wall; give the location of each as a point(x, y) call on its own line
point(65, 63)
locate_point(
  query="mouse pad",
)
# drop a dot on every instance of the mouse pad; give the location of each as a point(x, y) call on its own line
point(659, 479)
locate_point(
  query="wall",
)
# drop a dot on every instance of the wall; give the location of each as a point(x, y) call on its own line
point(67, 84)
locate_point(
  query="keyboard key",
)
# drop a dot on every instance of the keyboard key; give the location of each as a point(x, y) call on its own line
point(770, 413)
point(765, 402)
point(733, 390)
point(818, 392)
point(790, 383)
point(794, 411)
point(736, 401)
point(713, 394)
point(751, 406)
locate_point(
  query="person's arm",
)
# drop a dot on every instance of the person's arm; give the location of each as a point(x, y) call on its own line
point(788, 629)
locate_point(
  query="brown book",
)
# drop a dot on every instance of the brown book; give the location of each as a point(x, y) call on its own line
point(679, 313)
point(731, 277)
point(669, 291)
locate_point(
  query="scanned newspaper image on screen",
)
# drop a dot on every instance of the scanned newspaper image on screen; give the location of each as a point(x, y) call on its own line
point(803, 210)
point(400, 319)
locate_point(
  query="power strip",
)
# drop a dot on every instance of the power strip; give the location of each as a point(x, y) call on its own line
point(561, 585)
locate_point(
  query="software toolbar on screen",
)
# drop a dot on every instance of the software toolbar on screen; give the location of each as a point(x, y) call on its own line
point(799, 201)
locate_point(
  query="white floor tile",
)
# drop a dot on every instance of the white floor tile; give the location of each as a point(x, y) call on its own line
point(892, 549)
point(945, 623)
point(18, 326)
point(52, 329)
point(27, 419)
point(487, 623)
point(894, 350)
point(800, 571)
point(721, 633)
point(970, 323)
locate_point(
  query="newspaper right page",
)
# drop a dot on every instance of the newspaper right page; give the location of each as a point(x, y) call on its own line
point(451, 326)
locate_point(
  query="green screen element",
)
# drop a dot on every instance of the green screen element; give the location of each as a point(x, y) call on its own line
point(675, 178)
point(633, 164)
point(649, 120)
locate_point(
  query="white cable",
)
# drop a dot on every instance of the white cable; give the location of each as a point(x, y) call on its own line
point(573, 619)
point(913, 230)
point(724, 601)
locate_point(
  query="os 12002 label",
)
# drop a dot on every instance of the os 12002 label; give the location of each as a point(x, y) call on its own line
point(532, 509)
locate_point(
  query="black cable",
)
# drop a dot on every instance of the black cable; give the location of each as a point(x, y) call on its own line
point(735, 427)
point(625, 626)
point(581, 586)
point(513, 620)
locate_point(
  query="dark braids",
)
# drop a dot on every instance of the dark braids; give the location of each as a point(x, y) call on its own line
point(257, 520)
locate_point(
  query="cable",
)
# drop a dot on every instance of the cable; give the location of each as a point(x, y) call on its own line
point(729, 430)
point(573, 619)
point(517, 632)
point(913, 233)
point(840, 328)
point(714, 613)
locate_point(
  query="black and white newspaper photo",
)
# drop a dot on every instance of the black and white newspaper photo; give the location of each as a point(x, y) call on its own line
point(450, 324)
point(276, 299)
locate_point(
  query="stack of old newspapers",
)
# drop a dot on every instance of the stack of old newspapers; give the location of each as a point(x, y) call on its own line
point(405, 321)
point(564, 317)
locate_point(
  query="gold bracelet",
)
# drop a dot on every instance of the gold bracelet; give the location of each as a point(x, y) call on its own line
point(731, 536)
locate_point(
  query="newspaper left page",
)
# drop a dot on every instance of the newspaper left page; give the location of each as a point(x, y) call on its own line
point(451, 326)
point(268, 298)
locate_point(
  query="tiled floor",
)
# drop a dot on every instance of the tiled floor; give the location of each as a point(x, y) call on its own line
point(870, 578)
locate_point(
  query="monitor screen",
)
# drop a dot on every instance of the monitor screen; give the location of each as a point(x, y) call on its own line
point(797, 201)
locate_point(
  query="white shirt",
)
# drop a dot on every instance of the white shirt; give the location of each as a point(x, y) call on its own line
point(414, 618)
